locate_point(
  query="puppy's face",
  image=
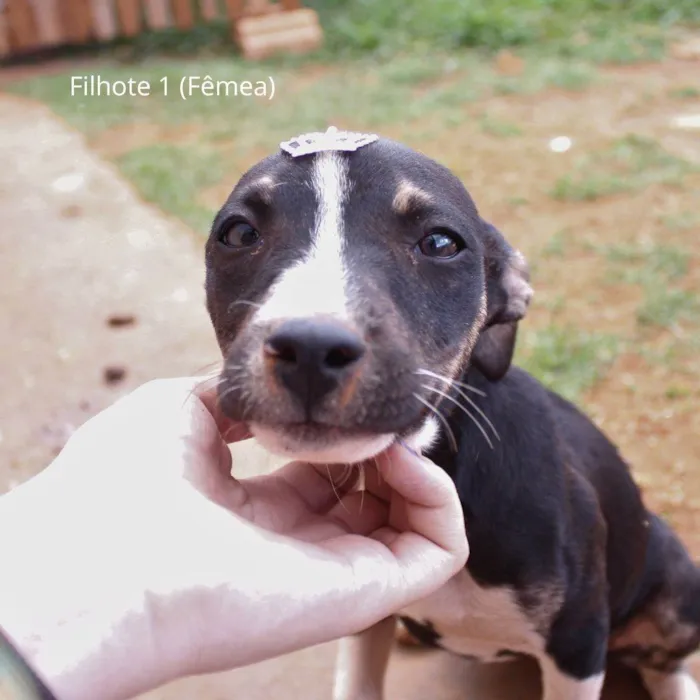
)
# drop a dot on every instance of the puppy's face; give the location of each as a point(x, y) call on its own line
point(346, 290)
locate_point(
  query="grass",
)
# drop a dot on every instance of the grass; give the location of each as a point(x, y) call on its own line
point(556, 245)
point(172, 176)
point(657, 268)
point(644, 262)
point(629, 164)
point(674, 392)
point(364, 25)
point(685, 92)
point(664, 307)
point(498, 127)
point(681, 221)
point(566, 359)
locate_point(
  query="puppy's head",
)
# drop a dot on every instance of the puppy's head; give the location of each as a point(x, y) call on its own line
point(346, 289)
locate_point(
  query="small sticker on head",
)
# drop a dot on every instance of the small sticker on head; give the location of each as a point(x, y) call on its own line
point(330, 140)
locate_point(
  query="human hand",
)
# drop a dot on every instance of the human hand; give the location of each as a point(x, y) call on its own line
point(136, 557)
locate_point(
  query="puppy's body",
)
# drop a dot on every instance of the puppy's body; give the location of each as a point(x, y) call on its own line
point(359, 298)
point(565, 559)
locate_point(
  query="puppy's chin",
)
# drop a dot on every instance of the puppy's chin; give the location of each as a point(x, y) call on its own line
point(333, 448)
point(327, 447)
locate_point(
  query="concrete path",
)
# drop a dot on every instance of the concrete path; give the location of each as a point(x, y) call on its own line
point(77, 247)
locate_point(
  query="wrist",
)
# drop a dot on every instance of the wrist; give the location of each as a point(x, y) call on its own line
point(17, 678)
point(82, 634)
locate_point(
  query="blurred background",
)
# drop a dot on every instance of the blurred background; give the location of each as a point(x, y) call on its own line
point(574, 123)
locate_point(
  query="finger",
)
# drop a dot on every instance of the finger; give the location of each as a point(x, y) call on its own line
point(375, 483)
point(294, 492)
point(360, 513)
point(230, 431)
point(431, 507)
point(357, 514)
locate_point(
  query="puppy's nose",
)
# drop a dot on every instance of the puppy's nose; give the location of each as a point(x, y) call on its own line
point(312, 356)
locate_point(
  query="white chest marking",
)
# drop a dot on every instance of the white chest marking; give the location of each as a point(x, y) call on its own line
point(670, 686)
point(318, 283)
point(476, 621)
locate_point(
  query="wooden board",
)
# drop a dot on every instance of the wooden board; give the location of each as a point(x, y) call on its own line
point(4, 35)
point(129, 14)
point(184, 14)
point(209, 10)
point(48, 22)
point(22, 26)
point(235, 9)
point(76, 20)
point(104, 20)
point(158, 15)
point(259, 8)
point(282, 32)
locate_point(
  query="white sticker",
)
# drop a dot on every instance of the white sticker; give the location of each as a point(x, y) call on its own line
point(330, 140)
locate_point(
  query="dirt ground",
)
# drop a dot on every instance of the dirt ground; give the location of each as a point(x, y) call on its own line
point(100, 293)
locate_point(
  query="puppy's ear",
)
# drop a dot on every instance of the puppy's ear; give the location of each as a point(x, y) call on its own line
point(508, 295)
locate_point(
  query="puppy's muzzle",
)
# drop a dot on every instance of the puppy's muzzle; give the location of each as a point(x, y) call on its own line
point(312, 357)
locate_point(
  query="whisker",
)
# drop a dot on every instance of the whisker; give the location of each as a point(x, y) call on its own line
point(467, 398)
point(479, 411)
point(376, 466)
point(229, 390)
point(362, 479)
point(245, 302)
point(442, 418)
point(216, 379)
point(465, 409)
point(347, 474)
point(466, 386)
point(337, 495)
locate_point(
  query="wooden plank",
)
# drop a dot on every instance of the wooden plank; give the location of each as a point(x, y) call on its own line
point(104, 20)
point(48, 22)
point(23, 32)
point(235, 9)
point(277, 22)
point(129, 14)
point(158, 15)
point(4, 33)
point(295, 40)
point(260, 8)
point(184, 14)
point(209, 10)
point(76, 20)
point(283, 32)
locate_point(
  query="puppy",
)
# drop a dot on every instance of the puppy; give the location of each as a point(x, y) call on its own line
point(358, 298)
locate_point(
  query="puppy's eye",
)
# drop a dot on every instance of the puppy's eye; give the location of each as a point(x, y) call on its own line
point(240, 235)
point(440, 244)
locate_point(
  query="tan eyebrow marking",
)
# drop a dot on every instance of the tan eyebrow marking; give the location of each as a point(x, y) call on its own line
point(409, 196)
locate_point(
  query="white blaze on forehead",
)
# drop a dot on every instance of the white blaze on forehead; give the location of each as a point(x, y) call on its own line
point(316, 284)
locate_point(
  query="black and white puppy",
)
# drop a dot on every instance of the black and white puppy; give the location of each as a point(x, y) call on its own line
point(359, 297)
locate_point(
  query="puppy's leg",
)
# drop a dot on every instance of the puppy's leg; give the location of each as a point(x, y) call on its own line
point(665, 629)
point(557, 685)
point(677, 685)
point(362, 662)
point(573, 667)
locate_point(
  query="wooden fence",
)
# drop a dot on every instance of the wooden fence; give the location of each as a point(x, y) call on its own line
point(33, 25)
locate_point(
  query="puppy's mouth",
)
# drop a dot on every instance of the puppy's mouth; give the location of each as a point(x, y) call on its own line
point(319, 443)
